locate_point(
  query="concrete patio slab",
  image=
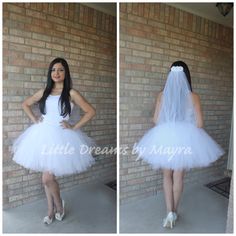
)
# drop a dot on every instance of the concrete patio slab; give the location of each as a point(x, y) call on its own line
point(201, 211)
point(89, 209)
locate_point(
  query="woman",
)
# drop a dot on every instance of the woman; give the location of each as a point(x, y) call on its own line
point(52, 145)
point(178, 142)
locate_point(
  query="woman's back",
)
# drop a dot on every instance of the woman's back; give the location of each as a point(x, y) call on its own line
point(183, 110)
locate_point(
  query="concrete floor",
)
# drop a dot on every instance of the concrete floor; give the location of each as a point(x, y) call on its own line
point(89, 209)
point(201, 210)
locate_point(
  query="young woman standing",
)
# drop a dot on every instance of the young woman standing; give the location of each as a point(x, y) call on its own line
point(178, 141)
point(52, 145)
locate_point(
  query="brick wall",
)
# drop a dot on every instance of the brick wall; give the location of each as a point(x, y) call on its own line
point(152, 36)
point(34, 34)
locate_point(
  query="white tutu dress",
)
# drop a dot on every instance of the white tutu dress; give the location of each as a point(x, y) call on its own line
point(176, 142)
point(46, 146)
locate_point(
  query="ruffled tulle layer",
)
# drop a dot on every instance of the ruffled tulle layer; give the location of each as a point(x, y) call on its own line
point(45, 147)
point(178, 146)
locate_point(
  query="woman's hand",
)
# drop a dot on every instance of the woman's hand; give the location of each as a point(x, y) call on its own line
point(38, 120)
point(66, 125)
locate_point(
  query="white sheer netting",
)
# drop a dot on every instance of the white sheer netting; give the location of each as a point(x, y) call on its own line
point(176, 101)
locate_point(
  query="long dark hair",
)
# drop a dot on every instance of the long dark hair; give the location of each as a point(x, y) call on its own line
point(186, 71)
point(65, 95)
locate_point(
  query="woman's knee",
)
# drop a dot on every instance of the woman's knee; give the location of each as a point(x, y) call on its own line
point(178, 178)
point(47, 178)
point(167, 173)
point(178, 175)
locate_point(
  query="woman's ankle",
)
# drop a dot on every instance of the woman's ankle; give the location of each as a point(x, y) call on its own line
point(60, 208)
point(50, 215)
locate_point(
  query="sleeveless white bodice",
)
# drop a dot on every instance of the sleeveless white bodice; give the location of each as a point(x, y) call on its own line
point(53, 110)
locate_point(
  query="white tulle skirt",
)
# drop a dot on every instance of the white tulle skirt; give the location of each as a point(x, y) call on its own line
point(178, 146)
point(46, 147)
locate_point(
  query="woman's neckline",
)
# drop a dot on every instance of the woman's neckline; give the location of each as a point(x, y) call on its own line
point(55, 95)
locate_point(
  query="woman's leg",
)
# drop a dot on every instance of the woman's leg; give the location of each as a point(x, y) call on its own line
point(168, 189)
point(49, 196)
point(53, 189)
point(178, 185)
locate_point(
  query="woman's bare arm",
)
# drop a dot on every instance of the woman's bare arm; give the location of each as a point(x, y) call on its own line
point(198, 110)
point(88, 109)
point(29, 101)
point(157, 108)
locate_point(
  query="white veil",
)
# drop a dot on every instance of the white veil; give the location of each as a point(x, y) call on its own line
point(176, 101)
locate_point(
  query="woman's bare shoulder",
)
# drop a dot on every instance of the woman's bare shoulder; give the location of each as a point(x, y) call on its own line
point(75, 93)
point(39, 94)
point(34, 98)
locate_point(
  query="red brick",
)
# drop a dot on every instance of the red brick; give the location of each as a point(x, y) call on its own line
point(20, 18)
point(35, 14)
point(15, 8)
point(19, 47)
point(34, 28)
point(42, 23)
point(123, 7)
point(14, 39)
point(41, 51)
point(33, 42)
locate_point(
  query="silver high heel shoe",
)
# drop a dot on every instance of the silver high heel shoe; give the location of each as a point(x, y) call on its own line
point(47, 220)
point(175, 215)
point(169, 221)
point(59, 216)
